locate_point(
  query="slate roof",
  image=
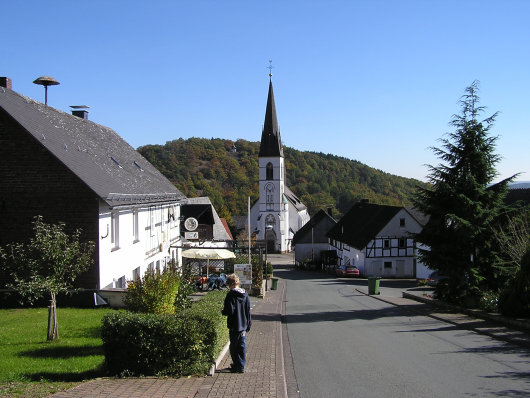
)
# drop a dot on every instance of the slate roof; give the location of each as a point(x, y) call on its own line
point(291, 197)
point(362, 223)
point(107, 164)
point(315, 220)
point(219, 231)
point(271, 142)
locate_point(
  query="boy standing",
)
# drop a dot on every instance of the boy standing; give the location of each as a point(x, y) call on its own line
point(237, 309)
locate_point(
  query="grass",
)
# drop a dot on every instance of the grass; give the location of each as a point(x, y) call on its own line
point(32, 367)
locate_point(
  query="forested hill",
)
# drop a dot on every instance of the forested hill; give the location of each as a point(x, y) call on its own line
point(210, 167)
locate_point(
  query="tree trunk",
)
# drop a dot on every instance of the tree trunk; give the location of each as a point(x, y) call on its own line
point(53, 331)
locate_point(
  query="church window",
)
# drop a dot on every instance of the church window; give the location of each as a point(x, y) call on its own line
point(270, 222)
point(269, 171)
point(269, 196)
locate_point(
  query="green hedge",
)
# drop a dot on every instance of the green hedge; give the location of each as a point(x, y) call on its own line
point(165, 345)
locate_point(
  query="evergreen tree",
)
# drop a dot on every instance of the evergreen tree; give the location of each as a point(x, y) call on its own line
point(464, 205)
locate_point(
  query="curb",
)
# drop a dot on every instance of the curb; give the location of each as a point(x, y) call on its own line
point(220, 357)
point(473, 313)
point(511, 322)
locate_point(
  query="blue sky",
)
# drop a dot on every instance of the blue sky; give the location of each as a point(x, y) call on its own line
point(374, 80)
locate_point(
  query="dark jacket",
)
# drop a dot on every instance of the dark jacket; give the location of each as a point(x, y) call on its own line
point(237, 310)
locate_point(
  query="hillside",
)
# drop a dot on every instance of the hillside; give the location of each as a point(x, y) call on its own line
point(209, 167)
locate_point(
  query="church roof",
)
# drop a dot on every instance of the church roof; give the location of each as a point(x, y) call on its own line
point(295, 201)
point(271, 142)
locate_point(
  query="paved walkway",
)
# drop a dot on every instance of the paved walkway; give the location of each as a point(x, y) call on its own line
point(264, 374)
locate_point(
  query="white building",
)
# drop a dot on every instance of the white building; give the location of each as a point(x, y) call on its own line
point(378, 240)
point(69, 169)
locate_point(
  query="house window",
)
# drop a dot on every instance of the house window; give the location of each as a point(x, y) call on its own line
point(152, 210)
point(386, 243)
point(136, 234)
point(388, 264)
point(115, 230)
point(402, 222)
point(171, 216)
point(121, 283)
point(402, 243)
point(269, 171)
point(136, 274)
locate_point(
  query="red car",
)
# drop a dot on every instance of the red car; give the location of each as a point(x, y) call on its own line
point(347, 270)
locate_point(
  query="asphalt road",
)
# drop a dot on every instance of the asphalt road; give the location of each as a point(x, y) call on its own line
point(346, 344)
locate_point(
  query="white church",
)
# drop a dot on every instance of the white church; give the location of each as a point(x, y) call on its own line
point(278, 213)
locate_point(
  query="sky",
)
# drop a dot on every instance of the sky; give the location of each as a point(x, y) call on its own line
point(376, 81)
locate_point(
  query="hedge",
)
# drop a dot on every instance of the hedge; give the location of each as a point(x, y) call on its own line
point(186, 343)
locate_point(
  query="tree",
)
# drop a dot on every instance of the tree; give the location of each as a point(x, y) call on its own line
point(47, 265)
point(464, 205)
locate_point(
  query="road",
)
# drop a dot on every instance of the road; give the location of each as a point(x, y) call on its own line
point(346, 344)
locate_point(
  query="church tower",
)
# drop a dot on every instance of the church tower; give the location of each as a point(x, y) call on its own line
point(278, 213)
point(273, 211)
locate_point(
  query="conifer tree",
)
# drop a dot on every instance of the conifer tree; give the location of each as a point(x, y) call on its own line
point(464, 205)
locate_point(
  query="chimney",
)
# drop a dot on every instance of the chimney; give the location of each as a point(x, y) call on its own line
point(80, 111)
point(5, 82)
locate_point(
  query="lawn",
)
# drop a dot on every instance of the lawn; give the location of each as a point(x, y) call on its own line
point(31, 366)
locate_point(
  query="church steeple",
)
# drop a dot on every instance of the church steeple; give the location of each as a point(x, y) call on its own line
point(271, 142)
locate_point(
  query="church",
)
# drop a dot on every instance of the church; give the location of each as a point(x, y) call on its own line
point(278, 213)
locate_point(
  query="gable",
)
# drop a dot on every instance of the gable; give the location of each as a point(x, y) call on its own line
point(316, 229)
point(362, 223)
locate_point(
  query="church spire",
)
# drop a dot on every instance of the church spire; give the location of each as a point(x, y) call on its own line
point(271, 142)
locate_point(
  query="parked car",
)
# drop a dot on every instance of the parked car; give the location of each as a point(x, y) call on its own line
point(339, 270)
point(435, 278)
point(351, 270)
point(347, 270)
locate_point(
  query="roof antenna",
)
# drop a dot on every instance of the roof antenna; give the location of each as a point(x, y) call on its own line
point(46, 81)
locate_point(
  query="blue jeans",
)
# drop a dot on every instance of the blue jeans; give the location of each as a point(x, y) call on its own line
point(238, 348)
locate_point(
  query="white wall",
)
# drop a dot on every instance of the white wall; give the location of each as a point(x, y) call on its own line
point(303, 251)
point(132, 255)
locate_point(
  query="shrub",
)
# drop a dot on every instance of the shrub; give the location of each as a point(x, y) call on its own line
point(515, 299)
point(489, 301)
point(155, 293)
point(186, 288)
point(165, 345)
point(270, 269)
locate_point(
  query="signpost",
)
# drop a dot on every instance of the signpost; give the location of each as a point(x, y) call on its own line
point(244, 272)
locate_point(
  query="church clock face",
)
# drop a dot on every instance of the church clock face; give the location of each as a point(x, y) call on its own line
point(191, 224)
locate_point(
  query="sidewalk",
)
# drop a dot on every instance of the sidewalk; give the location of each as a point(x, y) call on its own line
point(493, 325)
point(264, 374)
